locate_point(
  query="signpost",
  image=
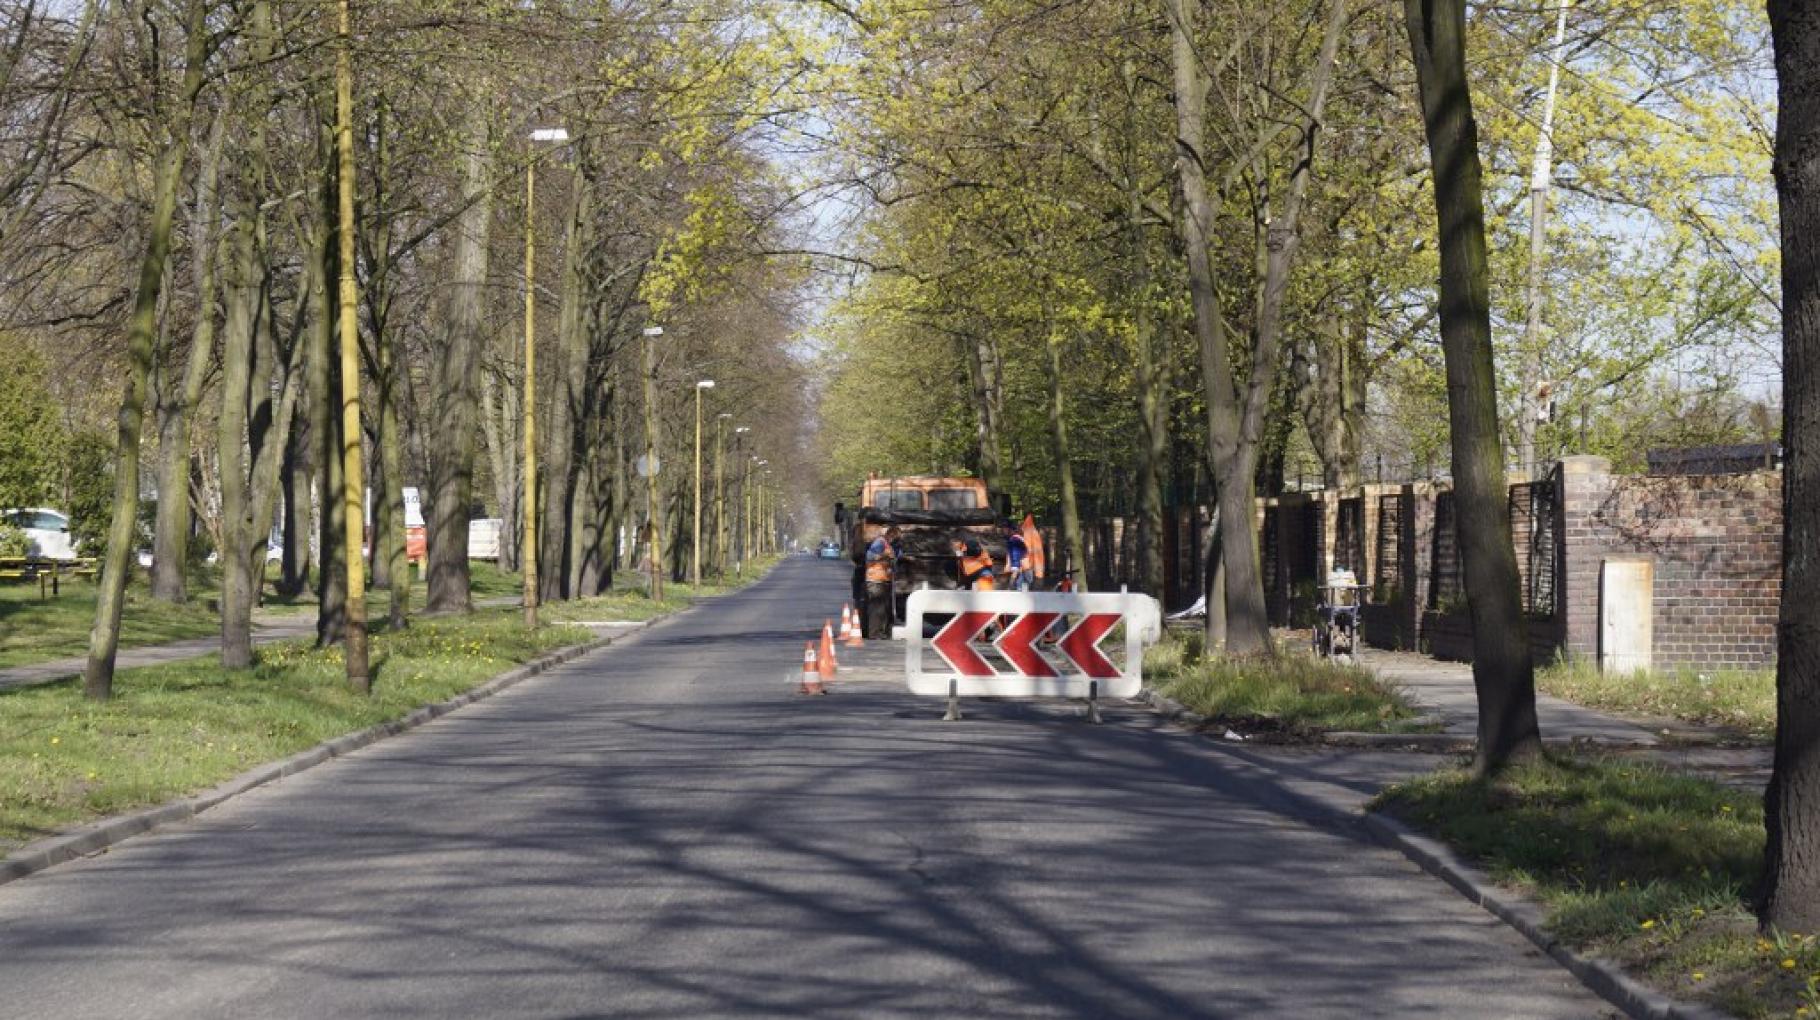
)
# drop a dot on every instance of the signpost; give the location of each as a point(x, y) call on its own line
point(1027, 644)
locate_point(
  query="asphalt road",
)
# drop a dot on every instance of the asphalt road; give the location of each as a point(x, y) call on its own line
point(664, 829)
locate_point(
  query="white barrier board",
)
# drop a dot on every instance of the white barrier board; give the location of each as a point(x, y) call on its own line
point(1044, 644)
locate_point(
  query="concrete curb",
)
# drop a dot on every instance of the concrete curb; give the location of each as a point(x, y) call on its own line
point(89, 839)
point(1603, 977)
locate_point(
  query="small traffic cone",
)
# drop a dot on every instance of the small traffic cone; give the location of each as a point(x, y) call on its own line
point(825, 666)
point(850, 634)
point(825, 654)
point(812, 680)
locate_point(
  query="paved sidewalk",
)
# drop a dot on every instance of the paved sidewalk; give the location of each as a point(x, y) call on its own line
point(267, 629)
point(1444, 690)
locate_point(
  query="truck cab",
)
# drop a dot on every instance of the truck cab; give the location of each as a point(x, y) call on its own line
point(931, 513)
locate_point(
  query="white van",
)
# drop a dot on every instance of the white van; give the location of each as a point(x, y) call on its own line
point(47, 533)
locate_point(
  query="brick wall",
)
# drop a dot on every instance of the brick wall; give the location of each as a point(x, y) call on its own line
point(1716, 545)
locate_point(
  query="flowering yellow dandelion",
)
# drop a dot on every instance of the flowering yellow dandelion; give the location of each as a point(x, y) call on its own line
point(1699, 975)
point(1788, 964)
point(56, 740)
point(1647, 925)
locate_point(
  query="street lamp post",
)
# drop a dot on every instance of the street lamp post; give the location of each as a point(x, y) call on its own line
point(528, 501)
point(657, 584)
point(738, 542)
point(695, 549)
point(755, 542)
point(720, 494)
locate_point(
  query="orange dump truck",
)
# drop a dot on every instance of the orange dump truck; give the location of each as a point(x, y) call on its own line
point(931, 513)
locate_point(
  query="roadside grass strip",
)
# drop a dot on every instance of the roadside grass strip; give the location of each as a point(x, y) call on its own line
point(178, 728)
point(1734, 699)
point(1292, 694)
point(1648, 868)
point(631, 602)
point(34, 630)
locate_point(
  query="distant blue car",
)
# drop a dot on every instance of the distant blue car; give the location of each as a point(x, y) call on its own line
point(828, 550)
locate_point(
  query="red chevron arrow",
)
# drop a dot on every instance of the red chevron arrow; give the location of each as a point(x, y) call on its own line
point(1015, 644)
point(1082, 645)
point(954, 643)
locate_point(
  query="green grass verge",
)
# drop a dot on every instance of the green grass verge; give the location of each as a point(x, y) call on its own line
point(57, 627)
point(1647, 867)
point(1743, 700)
point(183, 727)
point(1293, 693)
point(631, 600)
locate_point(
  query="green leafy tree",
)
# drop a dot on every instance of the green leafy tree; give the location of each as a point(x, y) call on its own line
point(31, 438)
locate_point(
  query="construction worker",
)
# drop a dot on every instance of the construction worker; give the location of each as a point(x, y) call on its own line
point(975, 565)
point(1017, 558)
point(881, 569)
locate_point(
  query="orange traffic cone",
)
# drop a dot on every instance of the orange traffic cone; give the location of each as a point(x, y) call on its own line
point(825, 666)
point(812, 680)
point(850, 634)
point(825, 654)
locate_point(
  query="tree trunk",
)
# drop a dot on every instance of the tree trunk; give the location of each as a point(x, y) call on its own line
point(243, 284)
point(391, 563)
point(499, 405)
point(1790, 896)
point(142, 328)
point(325, 417)
point(294, 475)
point(1502, 671)
point(452, 442)
point(1534, 403)
point(255, 428)
point(567, 406)
point(171, 531)
point(1331, 394)
point(1151, 375)
point(1247, 626)
point(1073, 551)
point(983, 373)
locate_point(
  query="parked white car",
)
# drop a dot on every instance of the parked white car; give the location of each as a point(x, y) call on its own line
point(47, 532)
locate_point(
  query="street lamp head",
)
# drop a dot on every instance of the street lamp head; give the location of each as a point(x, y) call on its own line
point(550, 135)
point(742, 430)
point(652, 331)
point(705, 384)
point(724, 415)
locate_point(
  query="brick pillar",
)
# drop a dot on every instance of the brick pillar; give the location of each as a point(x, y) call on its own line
point(1367, 567)
point(1586, 484)
point(1327, 504)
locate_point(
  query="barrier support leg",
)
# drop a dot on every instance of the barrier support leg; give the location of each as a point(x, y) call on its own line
point(954, 703)
point(1093, 702)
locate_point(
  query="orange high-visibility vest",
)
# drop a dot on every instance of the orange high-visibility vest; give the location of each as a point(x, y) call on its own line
point(880, 568)
point(973, 564)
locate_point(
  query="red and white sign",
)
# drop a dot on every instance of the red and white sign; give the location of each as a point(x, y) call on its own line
point(1041, 644)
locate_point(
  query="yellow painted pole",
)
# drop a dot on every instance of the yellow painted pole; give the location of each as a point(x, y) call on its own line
point(353, 474)
point(528, 539)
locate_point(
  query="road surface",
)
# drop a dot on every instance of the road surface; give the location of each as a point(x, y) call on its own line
point(665, 830)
